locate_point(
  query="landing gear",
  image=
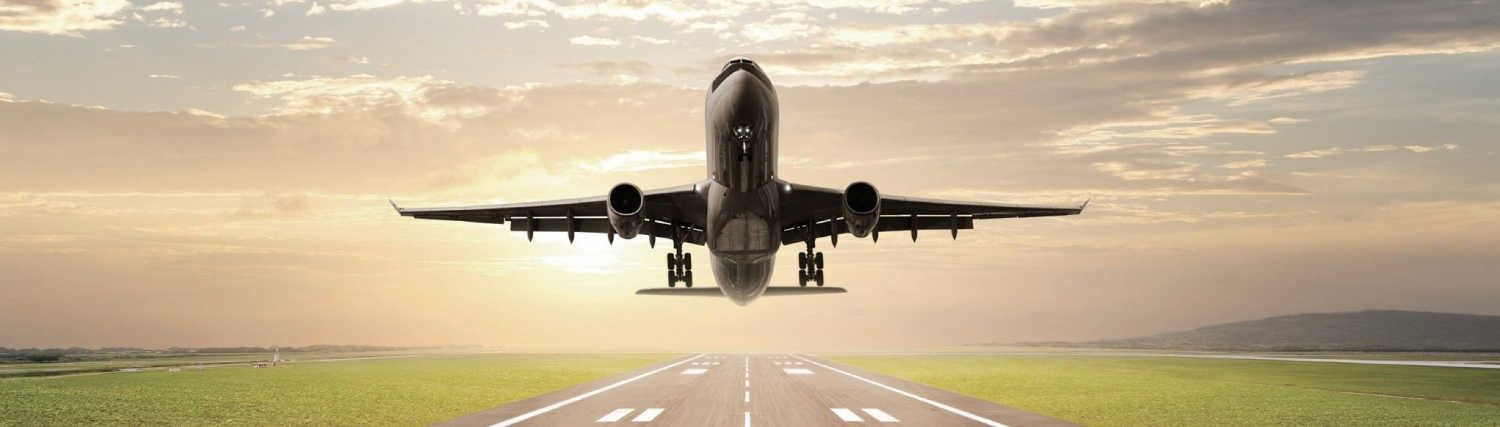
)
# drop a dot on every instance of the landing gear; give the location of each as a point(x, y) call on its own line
point(679, 265)
point(810, 266)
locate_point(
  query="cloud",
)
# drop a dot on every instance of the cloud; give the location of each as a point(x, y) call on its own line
point(352, 59)
point(61, 17)
point(608, 68)
point(529, 23)
point(162, 14)
point(164, 76)
point(429, 99)
point(164, 6)
point(1246, 164)
point(1334, 151)
point(587, 40)
point(304, 43)
point(1239, 50)
point(515, 8)
point(644, 160)
point(650, 40)
point(307, 43)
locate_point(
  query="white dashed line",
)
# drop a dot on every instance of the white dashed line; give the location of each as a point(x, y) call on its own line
point(956, 411)
point(615, 415)
point(847, 416)
point(747, 396)
point(880, 415)
point(694, 371)
point(797, 371)
point(650, 414)
point(569, 401)
point(747, 418)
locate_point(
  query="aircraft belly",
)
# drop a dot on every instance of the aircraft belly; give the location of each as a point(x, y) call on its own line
point(742, 282)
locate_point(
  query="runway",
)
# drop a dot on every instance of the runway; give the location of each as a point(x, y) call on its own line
point(746, 390)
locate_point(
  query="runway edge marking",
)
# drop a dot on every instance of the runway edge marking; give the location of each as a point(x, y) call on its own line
point(569, 401)
point(955, 411)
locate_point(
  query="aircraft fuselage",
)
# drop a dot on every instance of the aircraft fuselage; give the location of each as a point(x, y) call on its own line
point(743, 194)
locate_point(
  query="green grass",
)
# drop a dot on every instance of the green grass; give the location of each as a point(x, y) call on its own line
point(404, 391)
point(1104, 391)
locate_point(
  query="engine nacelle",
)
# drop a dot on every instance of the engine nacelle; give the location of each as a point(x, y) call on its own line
point(861, 208)
point(625, 203)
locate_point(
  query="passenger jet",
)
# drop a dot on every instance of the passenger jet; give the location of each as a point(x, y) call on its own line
point(742, 211)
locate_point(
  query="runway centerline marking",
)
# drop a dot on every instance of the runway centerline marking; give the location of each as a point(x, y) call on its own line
point(798, 371)
point(569, 401)
point(847, 416)
point(747, 418)
point(694, 371)
point(650, 414)
point(956, 411)
point(880, 415)
point(615, 415)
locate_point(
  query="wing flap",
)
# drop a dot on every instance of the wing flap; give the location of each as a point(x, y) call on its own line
point(601, 225)
point(888, 223)
point(715, 292)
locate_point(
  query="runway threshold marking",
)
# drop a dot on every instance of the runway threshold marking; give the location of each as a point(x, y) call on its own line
point(694, 371)
point(569, 401)
point(615, 415)
point(650, 414)
point(950, 409)
point(847, 416)
point(880, 415)
point(797, 371)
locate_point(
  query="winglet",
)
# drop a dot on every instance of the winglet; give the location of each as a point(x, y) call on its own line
point(397, 208)
point(1085, 203)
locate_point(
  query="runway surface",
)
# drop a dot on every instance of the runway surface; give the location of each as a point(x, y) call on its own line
point(757, 389)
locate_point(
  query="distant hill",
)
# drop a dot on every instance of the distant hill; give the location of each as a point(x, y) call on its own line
point(1371, 330)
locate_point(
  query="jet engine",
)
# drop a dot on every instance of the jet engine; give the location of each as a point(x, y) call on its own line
point(624, 204)
point(861, 208)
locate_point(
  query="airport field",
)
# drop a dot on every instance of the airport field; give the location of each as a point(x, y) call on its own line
point(389, 391)
point(1094, 389)
point(1104, 391)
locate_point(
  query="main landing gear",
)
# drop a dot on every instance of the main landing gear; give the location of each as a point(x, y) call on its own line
point(679, 266)
point(810, 266)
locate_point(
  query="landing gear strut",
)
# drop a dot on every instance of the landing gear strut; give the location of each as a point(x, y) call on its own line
point(679, 265)
point(810, 266)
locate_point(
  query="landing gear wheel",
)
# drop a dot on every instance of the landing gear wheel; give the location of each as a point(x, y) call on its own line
point(818, 260)
point(671, 279)
point(687, 280)
point(671, 262)
point(801, 260)
point(802, 278)
point(687, 262)
point(818, 277)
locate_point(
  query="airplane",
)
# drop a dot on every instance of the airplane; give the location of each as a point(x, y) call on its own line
point(743, 212)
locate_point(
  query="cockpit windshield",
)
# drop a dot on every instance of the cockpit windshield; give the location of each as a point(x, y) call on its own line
point(739, 63)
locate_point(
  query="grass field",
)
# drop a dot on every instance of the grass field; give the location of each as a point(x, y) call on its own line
point(400, 391)
point(1105, 391)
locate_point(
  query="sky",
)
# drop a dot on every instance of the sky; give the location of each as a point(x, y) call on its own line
point(205, 173)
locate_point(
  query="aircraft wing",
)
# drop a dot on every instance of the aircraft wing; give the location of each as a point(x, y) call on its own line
point(664, 207)
point(816, 212)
